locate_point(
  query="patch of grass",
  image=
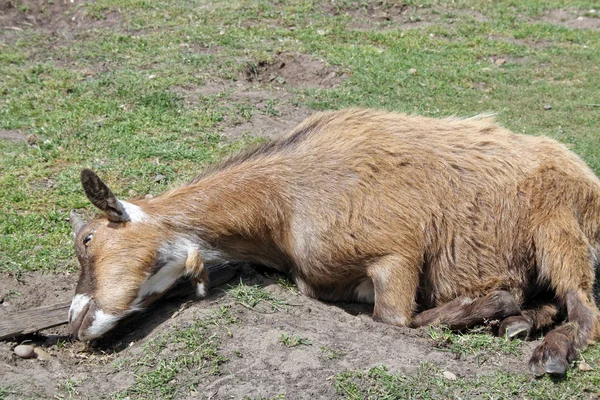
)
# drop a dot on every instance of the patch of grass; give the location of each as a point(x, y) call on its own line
point(287, 284)
point(116, 99)
point(477, 342)
point(125, 101)
point(252, 296)
point(69, 386)
point(10, 295)
point(280, 396)
point(332, 354)
point(429, 383)
point(177, 362)
point(5, 391)
point(293, 341)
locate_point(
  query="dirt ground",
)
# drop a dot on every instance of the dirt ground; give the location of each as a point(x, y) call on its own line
point(342, 337)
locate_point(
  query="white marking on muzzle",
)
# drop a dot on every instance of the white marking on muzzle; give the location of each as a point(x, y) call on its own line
point(77, 304)
point(103, 322)
point(135, 213)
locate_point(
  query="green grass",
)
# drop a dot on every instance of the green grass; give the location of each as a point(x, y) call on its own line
point(251, 296)
point(109, 98)
point(5, 391)
point(69, 387)
point(477, 342)
point(429, 383)
point(293, 340)
point(287, 284)
point(276, 397)
point(332, 354)
point(117, 99)
point(177, 362)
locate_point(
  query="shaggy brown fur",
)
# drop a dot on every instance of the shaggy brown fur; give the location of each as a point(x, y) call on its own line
point(458, 219)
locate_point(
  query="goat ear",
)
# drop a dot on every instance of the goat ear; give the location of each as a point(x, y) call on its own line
point(102, 197)
point(76, 222)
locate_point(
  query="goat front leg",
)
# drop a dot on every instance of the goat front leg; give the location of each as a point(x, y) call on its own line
point(395, 280)
point(564, 261)
point(194, 266)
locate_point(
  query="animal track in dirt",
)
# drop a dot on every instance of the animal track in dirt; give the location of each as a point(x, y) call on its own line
point(295, 70)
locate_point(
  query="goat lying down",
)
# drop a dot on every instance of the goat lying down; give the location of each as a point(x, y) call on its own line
point(449, 221)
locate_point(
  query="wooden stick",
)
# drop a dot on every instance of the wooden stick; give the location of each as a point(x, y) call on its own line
point(33, 320)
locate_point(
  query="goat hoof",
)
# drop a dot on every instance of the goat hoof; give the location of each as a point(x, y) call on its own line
point(553, 356)
point(556, 366)
point(513, 327)
point(537, 369)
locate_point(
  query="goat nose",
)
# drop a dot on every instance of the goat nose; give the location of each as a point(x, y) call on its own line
point(77, 305)
point(78, 317)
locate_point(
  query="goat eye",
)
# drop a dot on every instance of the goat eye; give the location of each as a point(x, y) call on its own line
point(87, 239)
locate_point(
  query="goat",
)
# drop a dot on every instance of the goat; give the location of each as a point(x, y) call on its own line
point(434, 221)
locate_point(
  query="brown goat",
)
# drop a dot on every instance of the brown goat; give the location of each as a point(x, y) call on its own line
point(447, 221)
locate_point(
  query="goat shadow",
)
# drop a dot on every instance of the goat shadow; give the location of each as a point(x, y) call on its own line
point(139, 325)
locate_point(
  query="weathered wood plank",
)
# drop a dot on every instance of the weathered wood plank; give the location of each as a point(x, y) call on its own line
point(29, 321)
point(36, 319)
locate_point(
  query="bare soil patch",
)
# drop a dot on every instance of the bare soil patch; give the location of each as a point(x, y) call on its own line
point(257, 363)
point(273, 112)
point(12, 135)
point(395, 15)
point(268, 91)
point(295, 70)
point(268, 126)
point(59, 16)
point(34, 289)
point(572, 19)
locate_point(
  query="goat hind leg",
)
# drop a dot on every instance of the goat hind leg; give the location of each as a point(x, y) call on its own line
point(528, 322)
point(464, 312)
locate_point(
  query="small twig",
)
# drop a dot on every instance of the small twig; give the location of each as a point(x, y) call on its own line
point(592, 105)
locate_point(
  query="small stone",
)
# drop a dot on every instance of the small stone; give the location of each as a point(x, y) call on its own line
point(583, 366)
point(321, 32)
point(547, 107)
point(449, 375)
point(41, 354)
point(24, 351)
point(280, 80)
point(500, 61)
point(159, 178)
point(412, 71)
point(151, 76)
